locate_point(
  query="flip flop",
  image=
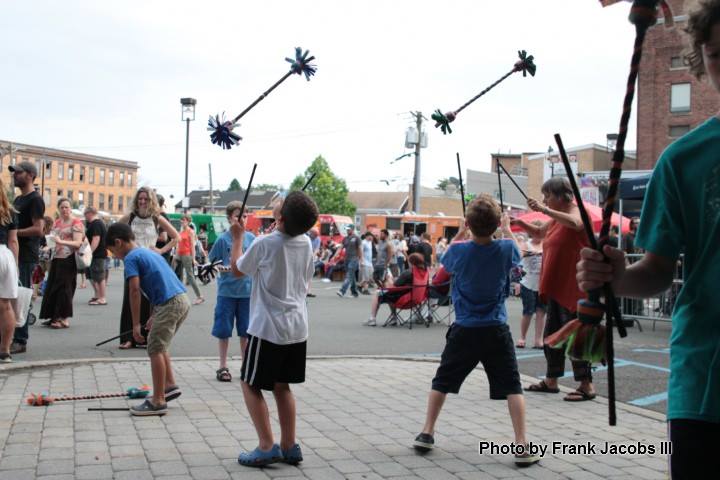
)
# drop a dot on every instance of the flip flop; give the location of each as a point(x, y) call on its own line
point(541, 387)
point(95, 302)
point(93, 299)
point(579, 396)
point(520, 344)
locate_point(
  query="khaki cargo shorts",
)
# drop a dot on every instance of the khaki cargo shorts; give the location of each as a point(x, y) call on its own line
point(167, 319)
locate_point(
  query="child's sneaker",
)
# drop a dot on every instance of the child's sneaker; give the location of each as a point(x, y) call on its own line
point(260, 458)
point(526, 459)
point(370, 322)
point(424, 442)
point(147, 409)
point(293, 455)
point(5, 358)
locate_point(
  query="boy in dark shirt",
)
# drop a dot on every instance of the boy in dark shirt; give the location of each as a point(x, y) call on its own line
point(480, 269)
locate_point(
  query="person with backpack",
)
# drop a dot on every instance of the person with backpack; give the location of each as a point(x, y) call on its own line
point(145, 221)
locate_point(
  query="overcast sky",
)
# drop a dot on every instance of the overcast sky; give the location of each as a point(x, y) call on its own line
point(106, 78)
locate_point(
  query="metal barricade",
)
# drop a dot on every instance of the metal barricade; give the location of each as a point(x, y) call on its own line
point(658, 308)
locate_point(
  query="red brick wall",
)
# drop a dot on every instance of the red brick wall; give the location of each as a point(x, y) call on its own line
point(654, 118)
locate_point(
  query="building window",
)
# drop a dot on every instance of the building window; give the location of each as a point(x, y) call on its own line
point(71, 172)
point(59, 192)
point(91, 199)
point(677, 131)
point(102, 176)
point(110, 202)
point(111, 177)
point(70, 195)
point(101, 203)
point(47, 195)
point(120, 203)
point(122, 179)
point(81, 198)
point(48, 169)
point(129, 202)
point(38, 166)
point(677, 63)
point(82, 174)
point(92, 175)
point(129, 179)
point(61, 170)
point(680, 97)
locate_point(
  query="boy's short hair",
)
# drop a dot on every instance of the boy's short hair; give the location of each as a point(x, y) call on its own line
point(700, 24)
point(416, 260)
point(232, 206)
point(483, 216)
point(119, 231)
point(425, 236)
point(299, 213)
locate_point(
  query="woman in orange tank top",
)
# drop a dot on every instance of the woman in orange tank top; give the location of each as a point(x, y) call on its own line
point(563, 239)
point(186, 255)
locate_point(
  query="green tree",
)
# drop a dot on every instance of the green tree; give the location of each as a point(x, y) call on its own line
point(329, 191)
point(234, 186)
point(443, 183)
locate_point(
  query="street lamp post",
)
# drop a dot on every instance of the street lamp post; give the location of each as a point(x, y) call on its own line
point(188, 115)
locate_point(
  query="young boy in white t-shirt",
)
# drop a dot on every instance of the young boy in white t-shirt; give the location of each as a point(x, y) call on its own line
point(281, 267)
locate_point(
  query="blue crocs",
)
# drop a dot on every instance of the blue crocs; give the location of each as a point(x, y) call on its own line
point(260, 458)
point(293, 455)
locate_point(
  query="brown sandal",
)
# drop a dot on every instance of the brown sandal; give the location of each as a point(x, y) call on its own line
point(541, 387)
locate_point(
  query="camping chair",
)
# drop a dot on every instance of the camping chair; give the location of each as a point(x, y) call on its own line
point(414, 298)
point(439, 298)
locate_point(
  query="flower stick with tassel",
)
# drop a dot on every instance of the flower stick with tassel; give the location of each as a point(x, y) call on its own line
point(222, 129)
point(524, 65)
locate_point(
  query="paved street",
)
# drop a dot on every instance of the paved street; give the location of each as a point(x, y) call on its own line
point(357, 418)
point(336, 329)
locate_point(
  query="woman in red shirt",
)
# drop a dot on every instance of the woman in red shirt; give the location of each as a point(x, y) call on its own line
point(186, 255)
point(563, 238)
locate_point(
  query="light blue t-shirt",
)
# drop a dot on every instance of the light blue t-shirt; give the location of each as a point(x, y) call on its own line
point(157, 280)
point(228, 284)
point(480, 280)
point(681, 213)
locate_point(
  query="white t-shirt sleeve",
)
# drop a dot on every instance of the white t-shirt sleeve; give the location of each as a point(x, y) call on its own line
point(249, 262)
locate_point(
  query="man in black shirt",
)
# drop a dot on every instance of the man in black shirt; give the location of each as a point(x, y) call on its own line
point(31, 210)
point(95, 234)
point(426, 249)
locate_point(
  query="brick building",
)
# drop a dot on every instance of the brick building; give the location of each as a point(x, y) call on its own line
point(671, 101)
point(107, 184)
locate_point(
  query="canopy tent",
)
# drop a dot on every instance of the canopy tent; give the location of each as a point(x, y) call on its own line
point(594, 212)
point(634, 188)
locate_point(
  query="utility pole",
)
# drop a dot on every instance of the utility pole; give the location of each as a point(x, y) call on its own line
point(212, 200)
point(416, 176)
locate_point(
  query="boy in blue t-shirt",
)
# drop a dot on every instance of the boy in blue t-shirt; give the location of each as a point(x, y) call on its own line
point(480, 269)
point(233, 295)
point(148, 274)
point(681, 214)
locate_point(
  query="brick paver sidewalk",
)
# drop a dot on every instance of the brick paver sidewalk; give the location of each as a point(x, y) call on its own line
point(357, 420)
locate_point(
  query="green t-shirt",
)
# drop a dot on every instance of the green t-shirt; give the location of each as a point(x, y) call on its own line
point(681, 214)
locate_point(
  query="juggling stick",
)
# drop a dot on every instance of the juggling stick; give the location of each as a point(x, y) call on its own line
point(462, 188)
point(502, 206)
point(210, 270)
point(222, 130)
point(109, 409)
point(524, 65)
point(309, 181)
point(512, 180)
point(585, 339)
point(43, 399)
point(129, 332)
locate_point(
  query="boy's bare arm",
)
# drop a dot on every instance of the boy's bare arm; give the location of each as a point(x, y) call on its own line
point(134, 292)
point(237, 231)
